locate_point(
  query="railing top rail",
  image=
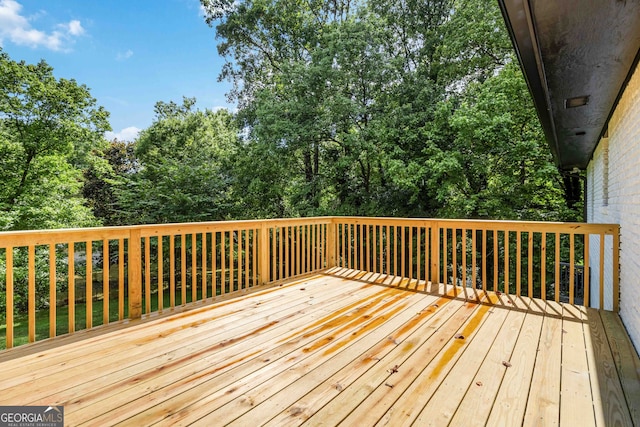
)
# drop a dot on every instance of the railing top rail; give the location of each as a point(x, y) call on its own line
point(46, 237)
point(547, 226)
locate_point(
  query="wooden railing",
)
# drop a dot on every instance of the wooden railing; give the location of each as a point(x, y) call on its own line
point(60, 281)
point(565, 262)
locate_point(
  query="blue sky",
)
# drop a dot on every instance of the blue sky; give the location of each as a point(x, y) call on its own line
point(130, 53)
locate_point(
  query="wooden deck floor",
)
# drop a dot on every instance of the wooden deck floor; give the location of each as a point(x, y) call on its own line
point(341, 349)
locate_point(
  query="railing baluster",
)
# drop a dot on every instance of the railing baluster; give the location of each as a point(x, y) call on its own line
point(32, 293)
point(232, 264)
point(160, 274)
point(52, 290)
point(281, 249)
point(495, 260)
point(120, 279)
point(518, 263)
point(557, 268)
point(183, 269)
point(585, 256)
point(474, 257)
point(506, 261)
point(106, 261)
point(246, 258)
point(616, 269)
point(203, 267)
point(572, 259)
point(543, 267)
point(601, 290)
point(9, 296)
point(454, 258)
point(484, 259)
point(463, 255)
point(418, 253)
point(194, 268)
point(147, 274)
point(223, 261)
point(172, 270)
point(214, 265)
point(530, 264)
point(71, 289)
point(88, 259)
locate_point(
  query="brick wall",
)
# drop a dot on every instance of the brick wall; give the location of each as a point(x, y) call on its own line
point(620, 181)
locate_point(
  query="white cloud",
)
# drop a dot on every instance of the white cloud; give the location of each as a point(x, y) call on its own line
point(126, 134)
point(17, 28)
point(123, 56)
point(75, 28)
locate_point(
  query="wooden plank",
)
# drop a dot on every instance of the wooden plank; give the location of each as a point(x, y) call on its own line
point(476, 403)
point(51, 353)
point(441, 407)
point(418, 375)
point(104, 357)
point(626, 361)
point(212, 391)
point(510, 404)
point(304, 376)
point(543, 404)
point(372, 364)
point(576, 407)
point(608, 397)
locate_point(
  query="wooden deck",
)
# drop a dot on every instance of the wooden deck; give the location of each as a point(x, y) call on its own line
point(339, 348)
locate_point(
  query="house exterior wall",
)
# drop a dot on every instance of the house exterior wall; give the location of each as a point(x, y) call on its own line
point(613, 196)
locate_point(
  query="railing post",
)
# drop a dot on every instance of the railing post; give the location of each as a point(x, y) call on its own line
point(331, 243)
point(616, 269)
point(264, 248)
point(134, 260)
point(435, 252)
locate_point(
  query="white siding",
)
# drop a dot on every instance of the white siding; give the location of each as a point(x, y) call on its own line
point(623, 205)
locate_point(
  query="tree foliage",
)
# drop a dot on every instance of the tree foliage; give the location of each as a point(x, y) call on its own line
point(379, 107)
point(49, 129)
point(183, 172)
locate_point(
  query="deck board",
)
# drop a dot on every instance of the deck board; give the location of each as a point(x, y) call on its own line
point(344, 347)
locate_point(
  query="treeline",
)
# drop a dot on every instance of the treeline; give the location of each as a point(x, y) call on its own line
point(380, 108)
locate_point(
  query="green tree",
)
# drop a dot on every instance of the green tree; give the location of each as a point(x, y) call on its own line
point(184, 167)
point(49, 129)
